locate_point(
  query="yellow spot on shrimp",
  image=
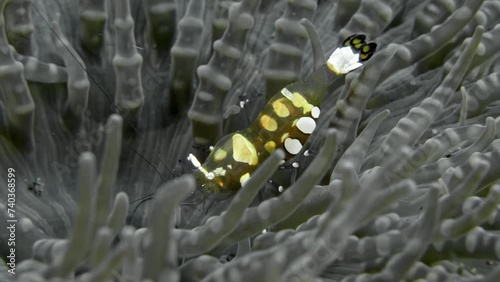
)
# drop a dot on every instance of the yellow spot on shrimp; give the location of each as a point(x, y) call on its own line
point(243, 150)
point(270, 146)
point(268, 123)
point(300, 102)
point(220, 155)
point(280, 109)
point(244, 178)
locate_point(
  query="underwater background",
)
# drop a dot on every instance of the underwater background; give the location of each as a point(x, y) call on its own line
point(101, 102)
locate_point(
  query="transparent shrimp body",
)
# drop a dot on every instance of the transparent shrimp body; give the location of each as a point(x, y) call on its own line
point(286, 122)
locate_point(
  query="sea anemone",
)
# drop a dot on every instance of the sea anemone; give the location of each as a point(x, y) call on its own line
point(398, 182)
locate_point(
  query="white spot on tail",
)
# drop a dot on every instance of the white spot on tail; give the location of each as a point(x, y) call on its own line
point(344, 60)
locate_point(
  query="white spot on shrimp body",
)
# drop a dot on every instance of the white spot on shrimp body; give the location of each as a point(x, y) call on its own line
point(287, 93)
point(315, 112)
point(219, 171)
point(306, 125)
point(293, 146)
point(194, 160)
